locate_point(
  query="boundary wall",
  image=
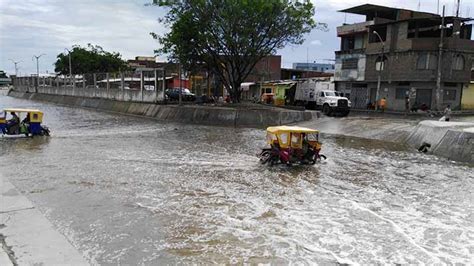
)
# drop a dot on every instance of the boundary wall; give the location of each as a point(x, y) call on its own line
point(206, 115)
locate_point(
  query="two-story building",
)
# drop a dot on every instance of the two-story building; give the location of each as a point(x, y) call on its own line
point(396, 53)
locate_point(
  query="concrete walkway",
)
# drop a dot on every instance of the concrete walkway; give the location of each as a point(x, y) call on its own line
point(27, 237)
point(438, 114)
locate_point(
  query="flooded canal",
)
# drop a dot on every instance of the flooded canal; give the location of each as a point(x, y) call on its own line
point(129, 190)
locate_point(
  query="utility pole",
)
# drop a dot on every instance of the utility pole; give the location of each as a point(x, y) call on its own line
point(164, 84)
point(381, 67)
point(70, 67)
point(307, 57)
point(180, 85)
point(37, 70)
point(440, 61)
point(457, 8)
point(16, 66)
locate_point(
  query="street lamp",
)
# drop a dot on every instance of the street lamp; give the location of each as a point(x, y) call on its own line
point(37, 69)
point(16, 66)
point(70, 66)
point(381, 67)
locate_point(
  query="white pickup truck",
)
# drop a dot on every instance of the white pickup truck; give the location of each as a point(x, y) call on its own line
point(320, 94)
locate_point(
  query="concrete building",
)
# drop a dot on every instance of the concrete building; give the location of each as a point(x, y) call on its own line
point(145, 62)
point(4, 79)
point(314, 67)
point(290, 73)
point(401, 48)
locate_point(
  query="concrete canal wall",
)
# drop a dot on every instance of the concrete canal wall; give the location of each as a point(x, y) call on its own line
point(206, 115)
point(453, 140)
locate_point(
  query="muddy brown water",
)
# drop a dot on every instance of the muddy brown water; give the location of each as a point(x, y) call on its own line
point(130, 190)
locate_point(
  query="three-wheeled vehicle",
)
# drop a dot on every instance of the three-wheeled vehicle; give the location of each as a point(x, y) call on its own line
point(11, 122)
point(291, 144)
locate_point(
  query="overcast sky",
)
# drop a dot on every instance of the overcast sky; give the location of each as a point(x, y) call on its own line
point(34, 27)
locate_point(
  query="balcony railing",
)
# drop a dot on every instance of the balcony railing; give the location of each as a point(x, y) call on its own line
point(352, 51)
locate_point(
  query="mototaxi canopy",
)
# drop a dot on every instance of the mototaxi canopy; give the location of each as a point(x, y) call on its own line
point(290, 136)
point(36, 116)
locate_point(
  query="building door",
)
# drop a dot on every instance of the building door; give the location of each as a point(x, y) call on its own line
point(423, 96)
point(373, 95)
point(359, 98)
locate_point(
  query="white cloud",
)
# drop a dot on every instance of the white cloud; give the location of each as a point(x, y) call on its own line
point(30, 27)
point(316, 42)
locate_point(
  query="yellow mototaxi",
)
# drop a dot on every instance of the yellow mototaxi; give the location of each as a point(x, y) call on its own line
point(20, 121)
point(292, 144)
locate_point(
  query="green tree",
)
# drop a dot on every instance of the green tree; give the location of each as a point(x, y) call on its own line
point(229, 37)
point(88, 60)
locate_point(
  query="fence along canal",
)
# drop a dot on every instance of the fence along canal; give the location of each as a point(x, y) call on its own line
point(142, 86)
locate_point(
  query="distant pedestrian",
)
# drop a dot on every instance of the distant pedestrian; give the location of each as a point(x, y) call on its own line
point(424, 107)
point(407, 105)
point(383, 104)
point(414, 108)
point(447, 113)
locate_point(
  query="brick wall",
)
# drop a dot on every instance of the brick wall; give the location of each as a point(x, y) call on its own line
point(402, 66)
point(269, 68)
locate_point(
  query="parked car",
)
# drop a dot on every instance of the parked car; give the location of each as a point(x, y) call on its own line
point(186, 95)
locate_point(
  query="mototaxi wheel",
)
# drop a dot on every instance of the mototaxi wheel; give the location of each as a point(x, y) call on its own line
point(265, 156)
point(44, 131)
point(317, 157)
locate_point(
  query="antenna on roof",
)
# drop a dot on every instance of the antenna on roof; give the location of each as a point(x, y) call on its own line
point(419, 5)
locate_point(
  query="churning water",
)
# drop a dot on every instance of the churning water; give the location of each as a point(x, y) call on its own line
point(131, 190)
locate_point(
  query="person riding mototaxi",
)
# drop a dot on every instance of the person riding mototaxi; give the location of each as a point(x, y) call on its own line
point(13, 123)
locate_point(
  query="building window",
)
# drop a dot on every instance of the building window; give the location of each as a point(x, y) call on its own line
point(449, 95)
point(450, 84)
point(458, 62)
point(382, 31)
point(401, 93)
point(380, 63)
point(426, 61)
point(350, 63)
point(347, 43)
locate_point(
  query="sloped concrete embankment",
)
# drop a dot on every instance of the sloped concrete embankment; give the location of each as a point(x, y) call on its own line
point(453, 140)
point(206, 115)
point(27, 237)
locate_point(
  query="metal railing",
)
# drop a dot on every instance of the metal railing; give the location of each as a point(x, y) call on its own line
point(140, 86)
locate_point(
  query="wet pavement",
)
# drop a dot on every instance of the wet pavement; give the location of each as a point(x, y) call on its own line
point(131, 190)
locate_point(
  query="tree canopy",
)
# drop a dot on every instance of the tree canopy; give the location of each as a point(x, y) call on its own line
point(88, 60)
point(229, 37)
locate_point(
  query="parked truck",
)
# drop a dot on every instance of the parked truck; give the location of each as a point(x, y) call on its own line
point(320, 94)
